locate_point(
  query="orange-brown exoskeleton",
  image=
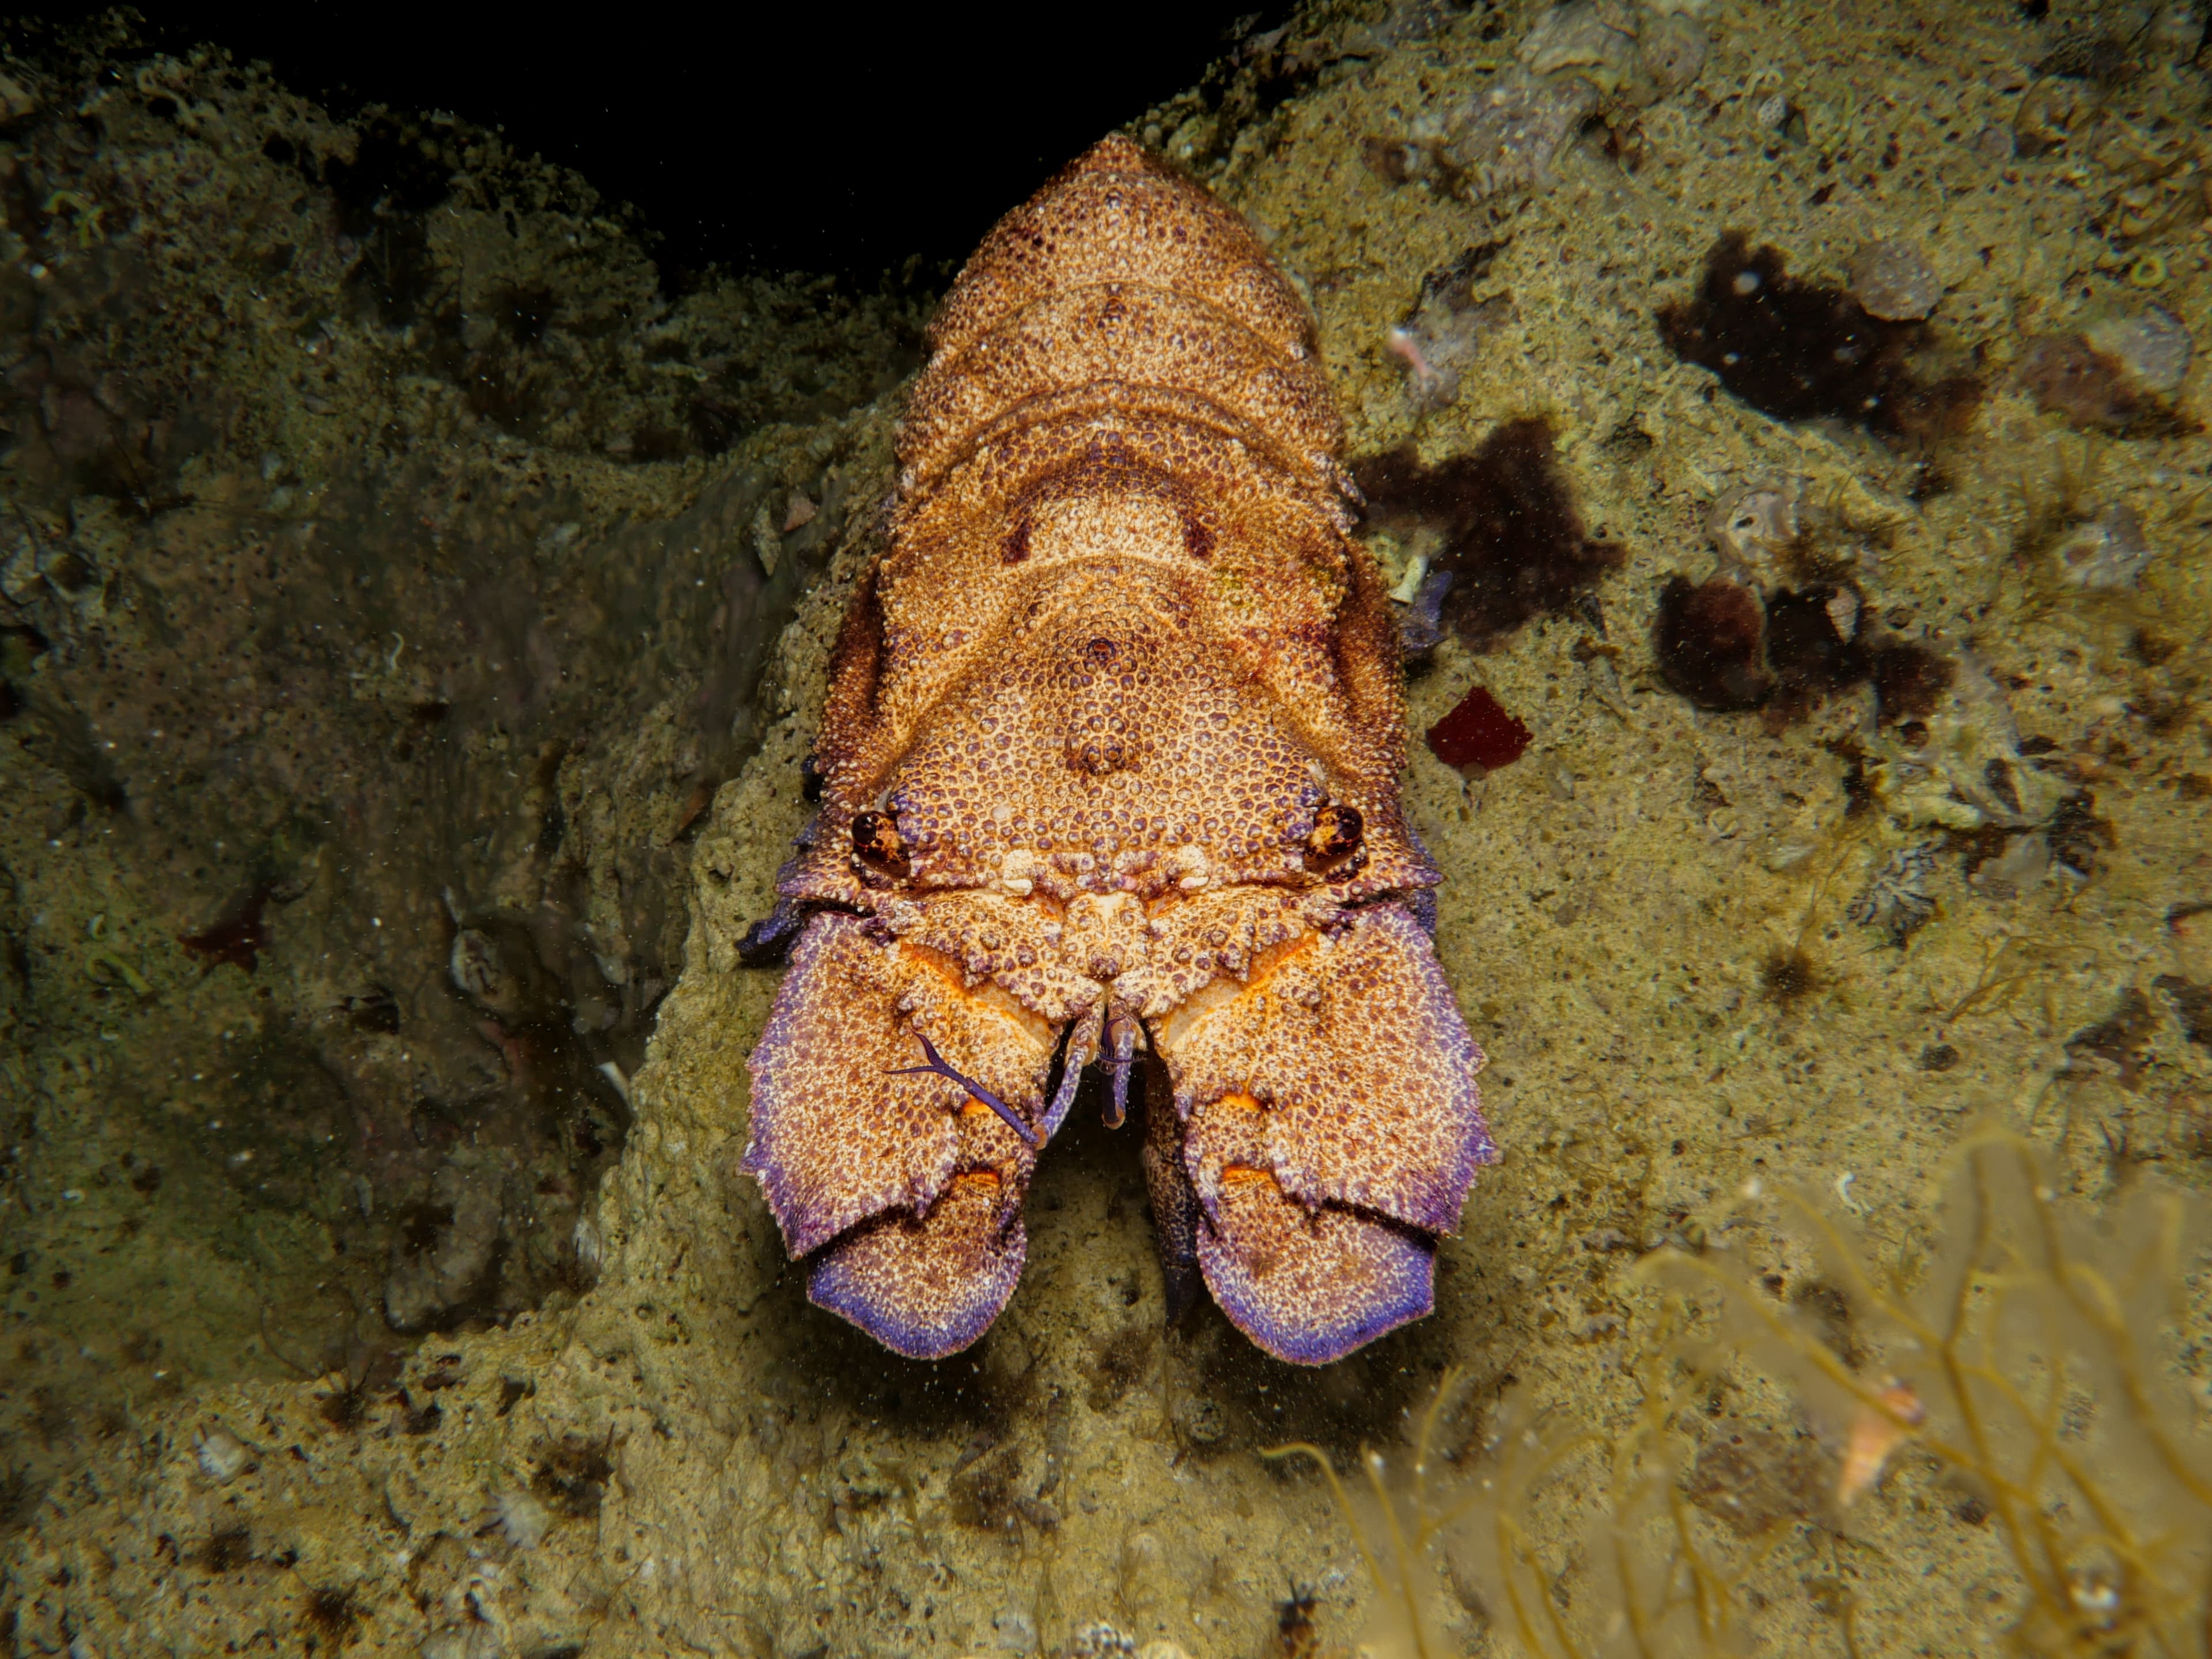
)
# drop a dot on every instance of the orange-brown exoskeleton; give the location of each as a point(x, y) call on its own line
point(1111, 770)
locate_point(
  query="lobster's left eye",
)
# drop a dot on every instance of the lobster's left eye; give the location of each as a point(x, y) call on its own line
point(1335, 838)
point(877, 847)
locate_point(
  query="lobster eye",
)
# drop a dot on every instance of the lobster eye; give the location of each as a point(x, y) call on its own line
point(1335, 838)
point(877, 847)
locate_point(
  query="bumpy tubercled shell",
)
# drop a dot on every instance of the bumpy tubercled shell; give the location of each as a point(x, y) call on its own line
point(1110, 773)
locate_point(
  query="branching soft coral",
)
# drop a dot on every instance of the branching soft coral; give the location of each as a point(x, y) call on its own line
point(2029, 1359)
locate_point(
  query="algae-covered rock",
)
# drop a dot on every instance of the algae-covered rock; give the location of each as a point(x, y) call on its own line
point(377, 580)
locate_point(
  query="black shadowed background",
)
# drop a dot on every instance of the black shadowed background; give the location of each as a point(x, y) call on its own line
point(846, 140)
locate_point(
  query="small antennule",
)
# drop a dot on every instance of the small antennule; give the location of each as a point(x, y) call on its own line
point(1122, 1036)
point(938, 1067)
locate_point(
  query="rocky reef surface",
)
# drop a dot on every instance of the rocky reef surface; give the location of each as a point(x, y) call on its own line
point(415, 624)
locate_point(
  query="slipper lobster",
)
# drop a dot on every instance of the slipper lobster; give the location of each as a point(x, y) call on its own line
point(1109, 773)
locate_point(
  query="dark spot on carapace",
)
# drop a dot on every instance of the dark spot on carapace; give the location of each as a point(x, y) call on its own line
point(1197, 538)
point(1801, 351)
point(1018, 542)
point(1514, 545)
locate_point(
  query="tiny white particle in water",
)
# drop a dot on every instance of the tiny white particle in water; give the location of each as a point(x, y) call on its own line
point(613, 1073)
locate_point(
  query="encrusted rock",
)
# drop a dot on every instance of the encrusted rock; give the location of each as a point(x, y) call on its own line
point(1968, 770)
point(16, 100)
point(1672, 50)
point(2152, 343)
point(2106, 552)
point(2050, 113)
point(444, 1271)
point(1578, 37)
point(1102, 1641)
point(1506, 136)
point(1439, 341)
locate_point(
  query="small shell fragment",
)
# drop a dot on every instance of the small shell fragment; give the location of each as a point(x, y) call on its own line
point(1896, 902)
point(1576, 36)
point(2108, 552)
point(222, 1456)
point(1755, 527)
point(1786, 855)
point(2152, 342)
point(1877, 1430)
point(1893, 281)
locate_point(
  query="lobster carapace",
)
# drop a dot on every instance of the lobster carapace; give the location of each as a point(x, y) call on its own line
point(1110, 775)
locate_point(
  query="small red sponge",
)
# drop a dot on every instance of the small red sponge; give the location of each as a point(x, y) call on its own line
point(1478, 733)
